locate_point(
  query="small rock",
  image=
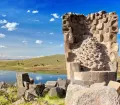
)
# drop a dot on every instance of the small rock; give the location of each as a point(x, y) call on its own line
point(62, 83)
point(51, 84)
point(31, 80)
point(115, 85)
point(45, 91)
point(57, 92)
point(3, 85)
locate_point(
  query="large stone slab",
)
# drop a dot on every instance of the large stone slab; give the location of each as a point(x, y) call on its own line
point(50, 84)
point(22, 77)
point(62, 83)
point(57, 92)
point(102, 95)
point(95, 76)
point(115, 85)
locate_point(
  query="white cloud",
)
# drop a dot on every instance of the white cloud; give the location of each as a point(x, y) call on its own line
point(61, 45)
point(3, 15)
point(50, 42)
point(55, 15)
point(51, 33)
point(39, 41)
point(10, 26)
point(52, 19)
point(28, 11)
point(2, 35)
point(38, 32)
point(36, 20)
point(119, 31)
point(1, 46)
point(44, 32)
point(35, 11)
point(3, 21)
point(25, 42)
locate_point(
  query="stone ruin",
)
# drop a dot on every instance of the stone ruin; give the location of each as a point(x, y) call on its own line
point(27, 88)
point(91, 49)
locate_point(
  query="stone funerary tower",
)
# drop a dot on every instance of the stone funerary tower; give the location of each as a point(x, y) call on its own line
point(91, 49)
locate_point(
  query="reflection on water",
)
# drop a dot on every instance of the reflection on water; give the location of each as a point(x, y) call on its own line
point(10, 76)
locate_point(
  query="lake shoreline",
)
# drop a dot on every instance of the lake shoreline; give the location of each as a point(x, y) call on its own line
point(37, 71)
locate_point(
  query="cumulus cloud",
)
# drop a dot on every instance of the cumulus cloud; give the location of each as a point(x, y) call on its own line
point(52, 19)
point(35, 11)
point(61, 45)
point(25, 42)
point(39, 41)
point(51, 33)
point(50, 42)
point(3, 21)
point(55, 15)
point(2, 35)
point(10, 26)
point(28, 11)
point(1, 46)
point(3, 15)
point(36, 20)
point(119, 31)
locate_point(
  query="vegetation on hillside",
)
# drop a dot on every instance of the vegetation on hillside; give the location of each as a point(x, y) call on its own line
point(47, 64)
point(51, 64)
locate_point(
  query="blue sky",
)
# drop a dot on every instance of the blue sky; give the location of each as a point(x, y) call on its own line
point(34, 27)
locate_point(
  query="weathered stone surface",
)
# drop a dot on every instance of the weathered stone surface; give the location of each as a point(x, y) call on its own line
point(89, 42)
point(62, 83)
point(45, 91)
point(72, 88)
point(30, 94)
point(50, 84)
point(31, 80)
point(115, 85)
point(96, 76)
point(21, 91)
point(100, 26)
point(3, 85)
point(82, 83)
point(26, 85)
point(22, 77)
point(98, 85)
point(56, 92)
point(92, 56)
point(93, 96)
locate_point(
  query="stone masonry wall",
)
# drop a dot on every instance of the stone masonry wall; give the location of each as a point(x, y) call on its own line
point(91, 41)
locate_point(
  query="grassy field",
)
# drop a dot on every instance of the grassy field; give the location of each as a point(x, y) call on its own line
point(47, 64)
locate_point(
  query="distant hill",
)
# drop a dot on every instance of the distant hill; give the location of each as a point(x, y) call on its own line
point(48, 64)
point(53, 63)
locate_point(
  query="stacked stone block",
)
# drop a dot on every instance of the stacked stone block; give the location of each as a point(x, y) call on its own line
point(90, 41)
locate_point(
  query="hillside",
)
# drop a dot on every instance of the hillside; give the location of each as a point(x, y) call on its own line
point(54, 63)
point(47, 64)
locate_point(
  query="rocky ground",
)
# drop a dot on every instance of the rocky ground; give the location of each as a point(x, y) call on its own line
point(48, 94)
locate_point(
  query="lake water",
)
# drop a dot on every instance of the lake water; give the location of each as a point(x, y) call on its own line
point(10, 77)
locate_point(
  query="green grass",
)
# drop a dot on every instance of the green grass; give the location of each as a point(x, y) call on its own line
point(10, 96)
point(51, 100)
point(48, 64)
